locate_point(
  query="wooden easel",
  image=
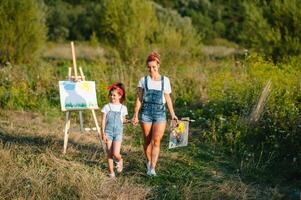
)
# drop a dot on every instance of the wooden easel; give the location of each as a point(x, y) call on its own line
point(75, 78)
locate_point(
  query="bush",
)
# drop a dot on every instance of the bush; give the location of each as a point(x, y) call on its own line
point(233, 91)
point(22, 30)
point(28, 87)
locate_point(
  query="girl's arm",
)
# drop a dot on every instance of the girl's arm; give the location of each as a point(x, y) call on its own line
point(170, 106)
point(137, 105)
point(103, 127)
point(124, 114)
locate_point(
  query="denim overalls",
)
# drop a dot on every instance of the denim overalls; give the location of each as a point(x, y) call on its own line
point(114, 126)
point(153, 108)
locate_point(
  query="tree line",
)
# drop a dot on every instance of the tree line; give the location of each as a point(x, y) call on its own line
point(131, 27)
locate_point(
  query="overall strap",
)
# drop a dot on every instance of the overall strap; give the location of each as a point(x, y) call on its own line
point(110, 107)
point(162, 83)
point(145, 83)
point(120, 108)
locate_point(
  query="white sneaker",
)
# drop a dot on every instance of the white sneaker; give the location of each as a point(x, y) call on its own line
point(119, 166)
point(112, 175)
point(148, 166)
point(151, 172)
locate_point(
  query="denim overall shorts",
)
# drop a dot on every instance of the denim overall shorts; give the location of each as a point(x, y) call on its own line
point(153, 108)
point(114, 126)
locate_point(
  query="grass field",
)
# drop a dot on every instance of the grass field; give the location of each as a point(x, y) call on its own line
point(243, 145)
point(33, 166)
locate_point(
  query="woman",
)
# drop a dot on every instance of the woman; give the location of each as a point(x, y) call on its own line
point(153, 92)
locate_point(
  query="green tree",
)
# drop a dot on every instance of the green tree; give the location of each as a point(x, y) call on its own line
point(66, 21)
point(273, 28)
point(284, 16)
point(22, 30)
point(256, 32)
point(127, 25)
point(176, 38)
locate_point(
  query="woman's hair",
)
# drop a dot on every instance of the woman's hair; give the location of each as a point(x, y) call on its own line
point(120, 89)
point(153, 56)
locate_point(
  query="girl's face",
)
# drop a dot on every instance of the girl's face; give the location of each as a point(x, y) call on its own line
point(153, 67)
point(115, 96)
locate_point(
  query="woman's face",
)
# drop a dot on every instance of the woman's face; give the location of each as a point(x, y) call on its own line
point(115, 96)
point(153, 67)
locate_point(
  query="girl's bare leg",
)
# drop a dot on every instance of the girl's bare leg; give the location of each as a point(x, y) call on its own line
point(116, 150)
point(116, 154)
point(110, 156)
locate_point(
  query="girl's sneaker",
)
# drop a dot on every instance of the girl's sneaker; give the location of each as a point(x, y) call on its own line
point(112, 175)
point(119, 166)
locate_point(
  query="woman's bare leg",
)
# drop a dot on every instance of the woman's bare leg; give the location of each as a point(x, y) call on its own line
point(157, 134)
point(147, 136)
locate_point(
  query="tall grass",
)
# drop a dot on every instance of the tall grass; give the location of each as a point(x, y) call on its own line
point(259, 107)
point(234, 93)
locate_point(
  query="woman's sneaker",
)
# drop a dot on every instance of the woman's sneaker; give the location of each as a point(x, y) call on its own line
point(151, 172)
point(148, 166)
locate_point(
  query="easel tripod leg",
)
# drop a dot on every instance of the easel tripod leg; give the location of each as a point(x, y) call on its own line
point(67, 126)
point(81, 121)
point(98, 131)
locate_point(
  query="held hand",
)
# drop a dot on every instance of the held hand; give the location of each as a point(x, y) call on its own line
point(135, 120)
point(175, 118)
point(104, 138)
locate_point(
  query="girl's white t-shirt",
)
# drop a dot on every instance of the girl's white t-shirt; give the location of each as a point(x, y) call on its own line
point(156, 85)
point(116, 108)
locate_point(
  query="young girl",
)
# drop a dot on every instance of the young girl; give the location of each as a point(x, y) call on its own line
point(113, 117)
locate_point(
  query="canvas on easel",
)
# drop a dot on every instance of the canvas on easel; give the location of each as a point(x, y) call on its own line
point(77, 94)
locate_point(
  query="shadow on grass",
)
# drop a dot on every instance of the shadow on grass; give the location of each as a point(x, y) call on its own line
point(40, 144)
point(192, 171)
point(191, 167)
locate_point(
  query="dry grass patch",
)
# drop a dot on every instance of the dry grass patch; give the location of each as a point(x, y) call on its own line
point(32, 166)
point(83, 51)
point(47, 176)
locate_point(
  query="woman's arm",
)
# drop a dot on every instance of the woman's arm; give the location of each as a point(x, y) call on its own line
point(103, 127)
point(137, 106)
point(170, 106)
